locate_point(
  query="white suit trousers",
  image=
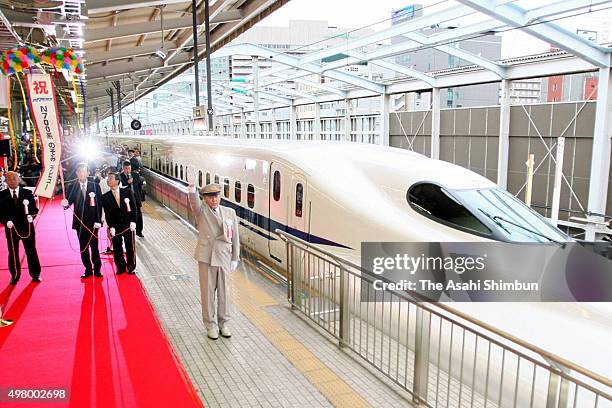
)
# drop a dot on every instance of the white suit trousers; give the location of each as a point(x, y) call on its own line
point(214, 279)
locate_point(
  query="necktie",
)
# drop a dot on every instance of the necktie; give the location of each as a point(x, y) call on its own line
point(83, 190)
point(116, 194)
point(15, 196)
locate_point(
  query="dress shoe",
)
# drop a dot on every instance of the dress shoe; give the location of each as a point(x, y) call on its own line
point(98, 274)
point(120, 271)
point(36, 279)
point(108, 251)
point(225, 331)
point(132, 272)
point(212, 333)
point(140, 235)
point(87, 274)
point(14, 281)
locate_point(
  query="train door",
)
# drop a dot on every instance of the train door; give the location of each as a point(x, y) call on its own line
point(299, 207)
point(278, 208)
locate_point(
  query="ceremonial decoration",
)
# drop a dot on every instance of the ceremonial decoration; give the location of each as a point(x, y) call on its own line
point(44, 113)
point(19, 59)
point(63, 58)
point(25, 57)
point(92, 199)
point(25, 206)
point(127, 204)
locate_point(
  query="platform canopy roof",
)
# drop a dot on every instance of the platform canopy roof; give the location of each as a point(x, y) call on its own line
point(323, 74)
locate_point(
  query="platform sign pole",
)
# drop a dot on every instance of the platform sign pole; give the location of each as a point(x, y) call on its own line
point(196, 57)
point(208, 73)
point(256, 95)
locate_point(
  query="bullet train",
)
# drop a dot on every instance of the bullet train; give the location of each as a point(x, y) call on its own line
point(339, 194)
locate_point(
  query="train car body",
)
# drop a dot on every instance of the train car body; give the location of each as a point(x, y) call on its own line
point(339, 194)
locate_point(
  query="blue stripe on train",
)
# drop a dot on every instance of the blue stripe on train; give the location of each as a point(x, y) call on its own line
point(270, 225)
point(265, 223)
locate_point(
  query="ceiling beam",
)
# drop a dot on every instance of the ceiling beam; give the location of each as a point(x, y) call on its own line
point(549, 32)
point(107, 6)
point(128, 30)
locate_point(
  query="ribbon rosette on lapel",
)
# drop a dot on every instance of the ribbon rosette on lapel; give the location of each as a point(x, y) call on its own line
point(229, 229)
point(92, 199)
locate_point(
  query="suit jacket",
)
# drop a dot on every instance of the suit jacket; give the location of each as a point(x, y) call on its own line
point(88, 213)
point(118, 217)
point(16, 213)
point(136, 186)
point(218, 241)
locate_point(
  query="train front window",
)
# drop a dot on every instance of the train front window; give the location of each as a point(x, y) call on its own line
point(512, 219)
point(436, 203)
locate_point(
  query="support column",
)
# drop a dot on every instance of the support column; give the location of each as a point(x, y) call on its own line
point(232, 124)
point(317, 121)
point(97, 113)
point(117, 86)
point(435, 123)
point(600, 157)
point(208, 71)
point(347, 119)
point(110, 93)
point(256, 95)
point(243, 134)
point(504, 135)
point(385, 110)
point(293, 121)
point(273, 131)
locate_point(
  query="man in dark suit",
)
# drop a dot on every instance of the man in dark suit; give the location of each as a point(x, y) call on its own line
point(120, 212)
point(133, 181)
point(17, 212)
point(85, 197)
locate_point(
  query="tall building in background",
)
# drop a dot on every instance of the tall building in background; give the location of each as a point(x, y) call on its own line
point(575, 87)
point(430, 59)
point(297, 39)
point(525, 91)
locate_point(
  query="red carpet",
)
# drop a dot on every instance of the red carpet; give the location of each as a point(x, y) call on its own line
point(99, 339)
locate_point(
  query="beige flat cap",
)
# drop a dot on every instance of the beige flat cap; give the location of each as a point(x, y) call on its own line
point(211, 189)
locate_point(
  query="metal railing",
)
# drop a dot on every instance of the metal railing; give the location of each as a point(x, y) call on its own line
point(171, 193)
point(442, 357)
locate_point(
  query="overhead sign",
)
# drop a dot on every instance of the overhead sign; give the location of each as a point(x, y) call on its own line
point(588, 35)
point(402, 14)
point(43, 108)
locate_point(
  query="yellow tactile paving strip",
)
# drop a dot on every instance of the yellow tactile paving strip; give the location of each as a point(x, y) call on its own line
point(252, 300)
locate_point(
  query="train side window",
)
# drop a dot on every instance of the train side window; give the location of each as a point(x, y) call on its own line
point(181, 172)
point(226, 188)
point(237, 191)
point(432, 201)
point(250, 196)
point(176, 170)
point(299, 199)
point(200, 178)
point(276, 185)
point(216, 179)
point(171, 172)
point(207, 178)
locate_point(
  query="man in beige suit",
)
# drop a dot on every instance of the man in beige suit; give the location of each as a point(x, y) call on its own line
point(217, 253)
